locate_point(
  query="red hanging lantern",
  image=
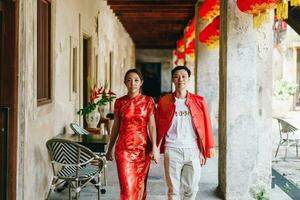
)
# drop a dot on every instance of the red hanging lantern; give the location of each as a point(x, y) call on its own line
point(209, 9)
point(258, 8)
point(189, 33)
point(180, 51)
point(211, 33)
point(190, 49)
point(180, 45)
point(190, 30)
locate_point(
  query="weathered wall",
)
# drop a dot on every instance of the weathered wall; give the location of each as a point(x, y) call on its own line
point(248, 155)
point(208, 77)
point(71, 21)
point(163, 56)
point(286, 56)
point(285, 65)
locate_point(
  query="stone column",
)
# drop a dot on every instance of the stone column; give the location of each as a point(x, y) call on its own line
point(245, 105)
point(207, 63)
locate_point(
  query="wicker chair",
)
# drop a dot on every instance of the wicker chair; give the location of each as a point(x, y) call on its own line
point(289, 135)
point(81, 131)
point(75, 164)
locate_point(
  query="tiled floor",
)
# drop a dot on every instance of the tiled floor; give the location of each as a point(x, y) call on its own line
point(289, 168)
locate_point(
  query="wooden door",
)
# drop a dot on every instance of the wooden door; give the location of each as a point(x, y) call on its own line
point(8, 98)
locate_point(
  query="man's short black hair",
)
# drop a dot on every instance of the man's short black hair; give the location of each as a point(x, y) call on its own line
point(180, 67)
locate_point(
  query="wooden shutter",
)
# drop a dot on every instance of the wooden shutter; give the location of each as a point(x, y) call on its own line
point(43, 51)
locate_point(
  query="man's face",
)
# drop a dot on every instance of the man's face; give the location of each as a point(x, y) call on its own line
point(180, 79)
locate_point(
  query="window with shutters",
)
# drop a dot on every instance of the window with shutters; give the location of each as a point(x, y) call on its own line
point(43, 51)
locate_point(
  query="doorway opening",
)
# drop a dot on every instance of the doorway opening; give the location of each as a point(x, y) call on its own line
point(152, 81)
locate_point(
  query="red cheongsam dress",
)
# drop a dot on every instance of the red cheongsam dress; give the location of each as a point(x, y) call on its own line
point(133, 146)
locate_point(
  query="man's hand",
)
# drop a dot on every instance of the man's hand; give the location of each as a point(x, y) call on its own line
point(212, 152)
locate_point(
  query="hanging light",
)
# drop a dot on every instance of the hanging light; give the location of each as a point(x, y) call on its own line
point(209, 9)
point(211, 33)
point(258, 8)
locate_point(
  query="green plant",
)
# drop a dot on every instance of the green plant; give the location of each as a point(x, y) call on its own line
point(98, 97)
point(261, 195)
point(284, 89)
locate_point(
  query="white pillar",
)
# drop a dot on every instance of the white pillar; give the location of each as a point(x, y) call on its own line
point(245, 104)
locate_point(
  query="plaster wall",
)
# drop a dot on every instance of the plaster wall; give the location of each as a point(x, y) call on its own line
point(285, 56)
point(72, 20)
point(248, 109)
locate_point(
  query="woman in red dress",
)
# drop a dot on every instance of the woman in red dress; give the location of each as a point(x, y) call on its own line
point(133, 116)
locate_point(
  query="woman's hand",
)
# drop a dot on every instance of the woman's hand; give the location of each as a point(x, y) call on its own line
point(155, 154)
point(202, 159)
point(109, 156)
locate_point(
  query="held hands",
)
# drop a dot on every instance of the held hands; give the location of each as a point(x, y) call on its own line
point(155, 154)
point(212, 152)
point(202, 159)
point(109, 156)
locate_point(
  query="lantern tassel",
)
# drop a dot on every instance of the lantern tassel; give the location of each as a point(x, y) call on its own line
point(213, 45)
point(295, 2)
point(282, 10)
point(259, 19)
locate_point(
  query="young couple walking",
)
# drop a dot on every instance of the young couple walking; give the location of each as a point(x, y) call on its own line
point(179, 128)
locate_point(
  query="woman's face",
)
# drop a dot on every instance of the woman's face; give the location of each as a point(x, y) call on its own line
point(133, 82)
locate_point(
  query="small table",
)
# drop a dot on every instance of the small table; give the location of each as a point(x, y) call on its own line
point(95, 143)
point(94, 131)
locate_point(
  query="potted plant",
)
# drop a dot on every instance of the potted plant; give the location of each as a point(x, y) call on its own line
point(283, 92)
point(98, 97)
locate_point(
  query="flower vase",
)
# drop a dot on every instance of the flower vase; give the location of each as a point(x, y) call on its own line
point(93, 118)
point(104, 110)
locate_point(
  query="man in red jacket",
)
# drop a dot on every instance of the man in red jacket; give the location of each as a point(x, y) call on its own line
point(184, 136)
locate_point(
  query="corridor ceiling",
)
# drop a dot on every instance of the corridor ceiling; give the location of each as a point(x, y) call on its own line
point(154, 24)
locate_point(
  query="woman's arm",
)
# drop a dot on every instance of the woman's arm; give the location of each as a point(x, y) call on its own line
point(153, 135)
point(113, 138)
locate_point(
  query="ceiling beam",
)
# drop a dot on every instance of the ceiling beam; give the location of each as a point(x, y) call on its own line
point(154, 23)
point(153, 7)
point(155, 15)
point(152, 2)
point(152, 11)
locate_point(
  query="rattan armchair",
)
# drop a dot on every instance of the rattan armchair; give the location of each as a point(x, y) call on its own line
point(81, 131)
point(75, 164)
point(289, 135)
